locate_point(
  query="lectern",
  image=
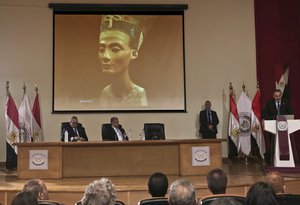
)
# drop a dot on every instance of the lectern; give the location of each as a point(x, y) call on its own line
point(282, 128)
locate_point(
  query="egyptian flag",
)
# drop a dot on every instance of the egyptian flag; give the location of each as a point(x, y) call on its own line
point(281, 80)
point(257, 131)
point(233, 129)
point(36, 122)
point(12, 132)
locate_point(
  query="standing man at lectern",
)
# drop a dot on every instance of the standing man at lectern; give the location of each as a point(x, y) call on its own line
point(274, 107)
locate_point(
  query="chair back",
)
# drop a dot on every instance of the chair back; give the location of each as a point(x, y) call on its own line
point(118, 202)
point(49, 202)
point(207, 200)
point(154, 131)
point(154, 201)
point(288, 199)
point(104, 131)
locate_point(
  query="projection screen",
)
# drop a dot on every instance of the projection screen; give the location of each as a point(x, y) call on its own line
point(118, 61)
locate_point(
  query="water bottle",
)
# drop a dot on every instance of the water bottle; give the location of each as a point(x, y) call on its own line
point(66, 135)
point(142, 135)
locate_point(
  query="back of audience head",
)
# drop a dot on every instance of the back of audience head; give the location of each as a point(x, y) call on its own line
point(158, 184)
point(38, 187)
point(225, 201)
point(182, 192)
point(25, 198)
point(276, 180)
point(217, 181)
point(261, 193)
point(99, 192)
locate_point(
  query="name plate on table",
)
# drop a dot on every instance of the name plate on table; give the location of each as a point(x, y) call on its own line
point(201, 156)
point(38, 159)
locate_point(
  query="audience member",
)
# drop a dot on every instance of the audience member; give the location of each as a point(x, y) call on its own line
point(182, 192)
point(224, 201)
point(158, 184)
point(116, 132)
point(276, 180)
point(99, 192)
point(261, 193)
point(217, 181)
point(38, 187)
point(75, 131)
point(25, 198)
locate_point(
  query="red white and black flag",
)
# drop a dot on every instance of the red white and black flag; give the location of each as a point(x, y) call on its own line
point(36, 121)
point(257, 131)
point(233, 126)
point(12, 130)
point(282, 80)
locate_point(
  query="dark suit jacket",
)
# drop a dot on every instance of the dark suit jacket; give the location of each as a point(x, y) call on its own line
point(109, 134)
point(207, 133)
point(270, 111)
point(71, 133)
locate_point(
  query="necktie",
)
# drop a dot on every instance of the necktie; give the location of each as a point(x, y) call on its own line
point(209, 118)
point(75, 130)
point(278, 108)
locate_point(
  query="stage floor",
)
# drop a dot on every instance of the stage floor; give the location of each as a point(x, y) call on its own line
point(131, 189)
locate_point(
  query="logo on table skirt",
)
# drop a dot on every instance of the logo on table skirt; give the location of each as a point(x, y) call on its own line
point(201, 156)
point(38, 159)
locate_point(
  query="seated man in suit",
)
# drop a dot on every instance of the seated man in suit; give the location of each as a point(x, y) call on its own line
point(75, 131)
point(208, 122)
point(115, 132)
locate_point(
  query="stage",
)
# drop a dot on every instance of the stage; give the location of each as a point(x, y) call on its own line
point(131, 189)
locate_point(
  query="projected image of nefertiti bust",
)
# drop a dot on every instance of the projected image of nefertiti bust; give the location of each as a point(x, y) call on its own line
point(121, 37)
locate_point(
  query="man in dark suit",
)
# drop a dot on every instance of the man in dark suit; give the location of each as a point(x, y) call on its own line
point(208, 122)
point(115, 132)
point(75, 131)
point(274, 107)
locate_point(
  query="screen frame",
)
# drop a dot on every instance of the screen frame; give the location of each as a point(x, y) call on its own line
point(135, 9)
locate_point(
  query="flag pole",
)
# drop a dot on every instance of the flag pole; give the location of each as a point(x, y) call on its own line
point(24, 89)
point(244, 87)
point(36, 89)
point(7, 88)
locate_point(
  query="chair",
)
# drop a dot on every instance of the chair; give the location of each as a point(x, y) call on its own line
point(154, 131)
point(104, 131)
point(154, 201)
point(117, 202)
point(49, 202)
point(288, 199)
point(208, 199)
